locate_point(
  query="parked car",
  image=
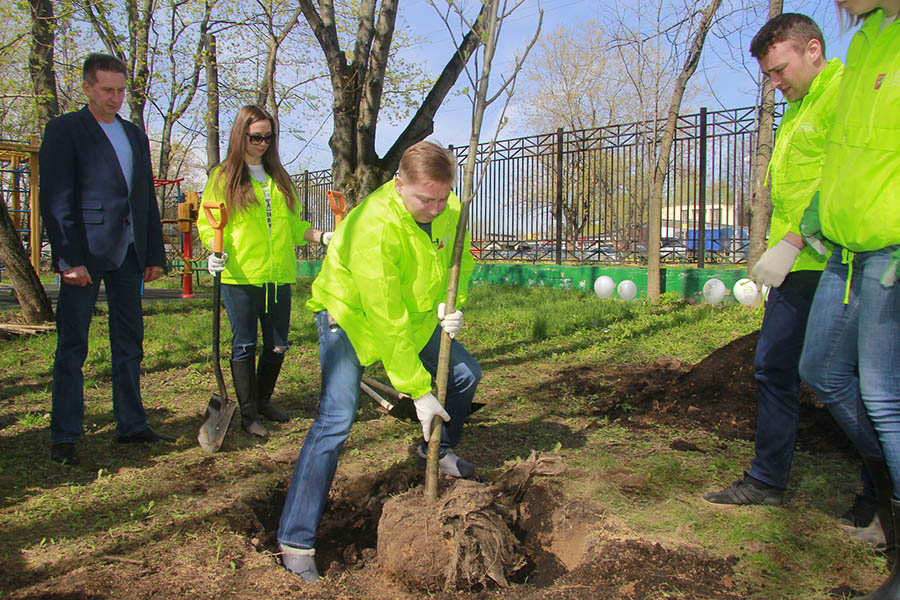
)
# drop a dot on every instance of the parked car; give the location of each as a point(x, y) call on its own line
point(673, 250)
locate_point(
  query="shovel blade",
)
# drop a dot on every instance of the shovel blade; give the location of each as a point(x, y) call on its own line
point(215, 423)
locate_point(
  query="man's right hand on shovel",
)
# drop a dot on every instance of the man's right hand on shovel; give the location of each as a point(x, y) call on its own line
point(216, 264)
point(428, 407)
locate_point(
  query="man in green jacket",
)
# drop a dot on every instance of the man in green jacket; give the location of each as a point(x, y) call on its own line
point(379, 297)
point(791, 52)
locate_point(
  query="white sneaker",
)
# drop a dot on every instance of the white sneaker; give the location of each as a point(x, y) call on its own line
point(450, 464)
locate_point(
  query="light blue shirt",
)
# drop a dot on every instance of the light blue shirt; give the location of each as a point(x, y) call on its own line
point(119, 140)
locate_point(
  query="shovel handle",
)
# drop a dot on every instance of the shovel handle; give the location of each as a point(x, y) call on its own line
point(338, 205)
point(218, 226)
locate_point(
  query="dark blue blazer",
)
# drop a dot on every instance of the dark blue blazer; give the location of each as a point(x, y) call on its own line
point(84, 198)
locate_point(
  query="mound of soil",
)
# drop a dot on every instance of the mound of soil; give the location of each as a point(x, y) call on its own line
point(630, 569)
point(717, 394)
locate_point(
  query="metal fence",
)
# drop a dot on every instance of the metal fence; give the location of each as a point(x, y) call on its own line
point(583, 196)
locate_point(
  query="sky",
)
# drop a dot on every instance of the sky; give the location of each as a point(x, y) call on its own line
point(726, 77)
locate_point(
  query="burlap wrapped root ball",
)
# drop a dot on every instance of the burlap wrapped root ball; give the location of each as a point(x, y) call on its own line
point(457, 542)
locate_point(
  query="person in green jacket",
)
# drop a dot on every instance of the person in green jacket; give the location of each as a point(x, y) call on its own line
point(790, 49)
point(379, 297)
point(259, 263)
point(851, 355)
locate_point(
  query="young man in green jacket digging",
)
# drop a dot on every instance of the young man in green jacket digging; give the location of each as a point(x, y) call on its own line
point(379, 297)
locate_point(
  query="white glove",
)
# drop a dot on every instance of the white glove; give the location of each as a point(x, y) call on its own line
point(428, 407)
point(775, 263)
point(452, 322)
point(215, 264)
point(326, 237)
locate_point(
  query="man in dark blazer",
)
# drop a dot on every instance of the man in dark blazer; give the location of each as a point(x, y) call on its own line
point(99, 210)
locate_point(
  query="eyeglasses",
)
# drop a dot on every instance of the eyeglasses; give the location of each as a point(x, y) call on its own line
point(256, 140)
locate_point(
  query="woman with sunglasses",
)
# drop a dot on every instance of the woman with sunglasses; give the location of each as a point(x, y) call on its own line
point(851, 353)
point(259, 263)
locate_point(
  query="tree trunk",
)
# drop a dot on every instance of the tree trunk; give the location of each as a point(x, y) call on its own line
point(33, 300)
point(357, 90)
point(665, 149)
point(212, 102)
point(40, 60)
point(760, 200)
point(138, 20)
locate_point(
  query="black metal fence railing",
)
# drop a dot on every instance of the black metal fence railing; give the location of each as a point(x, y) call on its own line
point(583, 196)
point(313, 186)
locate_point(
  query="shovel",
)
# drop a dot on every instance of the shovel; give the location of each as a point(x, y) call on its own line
point(338, 205)
point(220, 407)
point(404, 409)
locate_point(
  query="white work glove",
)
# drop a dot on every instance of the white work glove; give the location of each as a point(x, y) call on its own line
point(452, 322)
point(215, 264)
point(428, 407)
point(326, 237)
point(775, 263)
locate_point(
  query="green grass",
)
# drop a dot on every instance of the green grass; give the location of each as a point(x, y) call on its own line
point(128, 498)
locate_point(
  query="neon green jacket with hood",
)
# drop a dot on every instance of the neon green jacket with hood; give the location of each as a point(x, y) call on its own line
point(796, 165)
point(256, 256)
point(859, 204)
point(383, 278)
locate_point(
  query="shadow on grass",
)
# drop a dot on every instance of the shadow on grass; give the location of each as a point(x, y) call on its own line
point(202, 491)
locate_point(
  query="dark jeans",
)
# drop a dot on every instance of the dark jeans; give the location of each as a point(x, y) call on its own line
point(74, 310)
point(269, 305)
point(777, 376)
point(341, 373)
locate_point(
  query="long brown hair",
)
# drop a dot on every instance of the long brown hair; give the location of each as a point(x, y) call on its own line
point(848, 20)
point(234, 177)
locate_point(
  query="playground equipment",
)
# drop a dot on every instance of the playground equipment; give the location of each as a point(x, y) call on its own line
point(186, 216)
point(19, 189)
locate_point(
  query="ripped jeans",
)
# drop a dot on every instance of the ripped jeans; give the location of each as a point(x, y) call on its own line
point(246, 305)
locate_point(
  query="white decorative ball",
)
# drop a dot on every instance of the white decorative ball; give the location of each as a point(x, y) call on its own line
point(604, 286)
point(627, 290)
point(745, 291)
point(714, 291)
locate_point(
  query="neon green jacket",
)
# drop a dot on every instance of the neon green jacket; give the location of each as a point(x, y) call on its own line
point(859, 205)
point(796, 165)
point(382, 279)
point(255, 255)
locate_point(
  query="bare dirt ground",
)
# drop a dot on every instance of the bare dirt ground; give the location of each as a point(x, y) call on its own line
point(572, 550)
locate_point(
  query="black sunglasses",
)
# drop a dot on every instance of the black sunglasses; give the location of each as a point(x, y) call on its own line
point(256, 140)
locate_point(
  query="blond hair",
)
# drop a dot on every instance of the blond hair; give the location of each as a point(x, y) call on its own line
point(428, 160)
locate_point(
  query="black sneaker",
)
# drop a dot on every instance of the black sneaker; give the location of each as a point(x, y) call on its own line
point(860, 514)
point(747, 490)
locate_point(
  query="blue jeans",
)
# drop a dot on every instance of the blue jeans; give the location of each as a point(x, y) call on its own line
point(74, 309)
point(778, 380)
point(851, 357)
point(270, 305)
point(341, 374)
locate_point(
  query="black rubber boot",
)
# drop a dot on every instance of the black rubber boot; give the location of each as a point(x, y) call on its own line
point(880, 532)
point(890, 589)
point(266, 376)
point(243, 372)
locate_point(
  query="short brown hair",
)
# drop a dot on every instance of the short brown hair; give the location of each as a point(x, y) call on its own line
point(793, 27)
point(428, 160)
point(101, 62)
